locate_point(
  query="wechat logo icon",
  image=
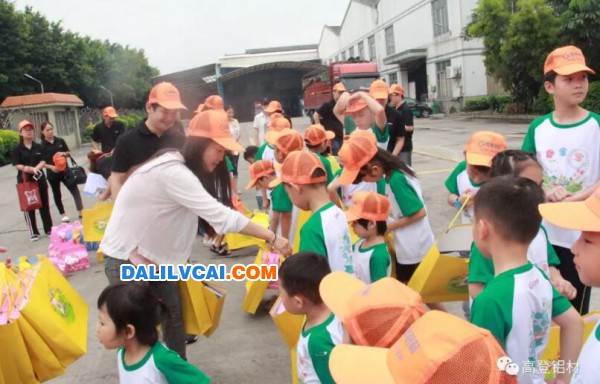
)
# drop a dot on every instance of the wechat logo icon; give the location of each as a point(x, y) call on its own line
point(505, 364)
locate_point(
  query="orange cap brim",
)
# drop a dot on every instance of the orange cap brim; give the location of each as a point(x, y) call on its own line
point(113, 115)
point(172, 104)
point(230, 144)
point(352, 214)
point(379, 94)
point(357, 364)
point(348, 176)
point(275, 183)
point(269, 110)
point(337, 289)
point(271, 137)
point(573, 68)
point(251, 183)
point(479, 159)
point(355, 108)
point(571, 215)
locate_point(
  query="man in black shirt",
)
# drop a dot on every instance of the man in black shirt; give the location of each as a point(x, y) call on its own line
point(138, 145)
point(107, 132)
point(397, 101)
point(327, 118)
point(379, 91)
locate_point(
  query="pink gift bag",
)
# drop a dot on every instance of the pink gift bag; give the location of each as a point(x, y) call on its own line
point(271, 258)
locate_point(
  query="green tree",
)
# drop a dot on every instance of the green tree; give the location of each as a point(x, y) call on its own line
point(580, 26)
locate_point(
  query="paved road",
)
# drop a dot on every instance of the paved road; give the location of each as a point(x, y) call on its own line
point(246, 349)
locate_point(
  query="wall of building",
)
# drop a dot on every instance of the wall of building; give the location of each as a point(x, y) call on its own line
point(329, 44)
point(244, 61)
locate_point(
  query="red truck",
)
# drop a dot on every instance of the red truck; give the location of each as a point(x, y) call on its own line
point(317, 85)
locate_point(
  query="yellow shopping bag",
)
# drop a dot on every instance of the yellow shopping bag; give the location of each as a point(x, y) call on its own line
point(294, 358)
point(303, 216)
point(56, 311)
point(45, 364)
point(95, 221)
point(552, 351)
point(215, 299)
point(442, 274)
point(238, 241)
point(194, 309)
point(289, 326)
point(15, 364)
point(255, 290)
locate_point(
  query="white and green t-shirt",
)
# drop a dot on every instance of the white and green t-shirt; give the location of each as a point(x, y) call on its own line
point(540, 253)
point(588, 369)
point(326, 232)
point(382, 138)
point(346, 192)
point(371, 263)
point(160, 366)
point(411, 242)
point(570, 158)
point(458, 183)
point(314, 349)
point(265, 152)
point(517, 307)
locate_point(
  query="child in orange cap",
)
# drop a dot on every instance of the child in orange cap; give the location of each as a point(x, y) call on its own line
point(316, 139)
point(300, 276)
point(284, 142)
point(367, 215)
point(468, 175)
point(583, 216)
point(262, 173)
point(375, 315)
point(326, 232)
point(366, 113)
point(519, 303)
point(566, 143)
point(275, 107)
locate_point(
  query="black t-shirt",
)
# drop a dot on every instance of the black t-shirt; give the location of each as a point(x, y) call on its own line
point(396, 126)
point(329, 121)
point(50, 149)
point(408, 120)
point(138, 145)
point(29, 157)
point(107, 136)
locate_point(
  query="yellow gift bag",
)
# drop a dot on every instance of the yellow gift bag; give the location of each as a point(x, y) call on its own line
point(255, 290)
point(289, 325)
point(45, 364)
point(442, 274)
point(238, 241)
point(303, 216)
point(215, 298)
point(56, 311)
point(294, 358)
point(15, 364)
point(95, 221)
point(552, 351)
point(194, 309)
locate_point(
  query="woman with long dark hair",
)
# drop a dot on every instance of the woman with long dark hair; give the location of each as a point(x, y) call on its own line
point(56, 146)
point(28, 160)
point(155, 217)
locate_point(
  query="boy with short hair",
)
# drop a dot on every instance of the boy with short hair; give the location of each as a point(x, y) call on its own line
point(326, 232)
point(566, 143)
point(585, 217)
point(316, 139)
point(467, 177)
point(261, 174)
point(368, 216)
point(249, 156)
point(519, 303)
point(366, 113)
point(300, 276)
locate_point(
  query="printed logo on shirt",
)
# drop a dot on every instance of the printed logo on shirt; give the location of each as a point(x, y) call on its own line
point(533, 283)
point(320, 354)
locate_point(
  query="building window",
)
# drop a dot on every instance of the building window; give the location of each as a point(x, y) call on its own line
point(65, 123)
point(440, 17)
point(372, 50)
point(393, 78)
point(443, 83)
point(361, 50)
point(351, 52)
point(390, 45)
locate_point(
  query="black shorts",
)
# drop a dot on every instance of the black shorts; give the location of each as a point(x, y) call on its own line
point(405, 271)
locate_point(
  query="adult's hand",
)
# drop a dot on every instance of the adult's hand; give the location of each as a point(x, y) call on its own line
point(282, 245)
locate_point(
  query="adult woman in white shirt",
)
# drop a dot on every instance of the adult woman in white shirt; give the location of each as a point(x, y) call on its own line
point(155, 217)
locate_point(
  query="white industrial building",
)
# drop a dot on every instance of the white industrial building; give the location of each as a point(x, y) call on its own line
point(416, 43)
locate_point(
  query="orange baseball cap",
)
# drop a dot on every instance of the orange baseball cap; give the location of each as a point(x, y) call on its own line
point(369, 206)
point(110, 112)
point(355, 105)
point(355, 152)
point(287, 140)
point(375, 315)
point(214, 125)
point(279, 123)
point(166, 95)
point(260, 169)
point(274, 106)
point(339, 87)
point(483, 146)
point(395, 88)
point(213, 102)
point(298, 167)
point(580, 215)
point(25, 123)
point(566, 61)
point(435, 349)
point(316, 134)
point(379, 90)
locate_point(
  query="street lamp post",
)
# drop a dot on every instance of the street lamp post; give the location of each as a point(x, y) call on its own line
point(108, 90)
point(36, 80)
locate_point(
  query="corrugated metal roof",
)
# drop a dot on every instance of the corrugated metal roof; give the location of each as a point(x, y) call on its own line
point(41, 99)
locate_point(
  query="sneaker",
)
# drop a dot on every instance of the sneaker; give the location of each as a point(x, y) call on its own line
point(65, 219)
point(190, 339)
point(34, 238)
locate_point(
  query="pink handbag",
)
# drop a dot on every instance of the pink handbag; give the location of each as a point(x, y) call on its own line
point(270, 258)
point(68, 257)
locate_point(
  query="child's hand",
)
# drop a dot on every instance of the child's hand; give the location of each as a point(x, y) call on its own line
point(342, 102)
point(557, 194)
point(266, 204)
point(462, 198)
point(564, 287)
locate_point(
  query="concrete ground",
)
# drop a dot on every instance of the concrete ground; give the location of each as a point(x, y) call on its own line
point(245, 348)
